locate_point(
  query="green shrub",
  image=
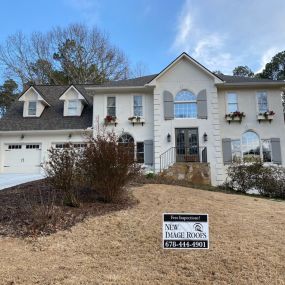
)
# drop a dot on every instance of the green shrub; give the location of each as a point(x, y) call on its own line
point(268, 180)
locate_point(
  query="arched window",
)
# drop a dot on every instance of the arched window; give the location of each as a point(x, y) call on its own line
point(126, 140)
point(185, 105)
point(250, 145)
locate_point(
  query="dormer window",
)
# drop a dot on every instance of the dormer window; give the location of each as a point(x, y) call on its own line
point(32, 108)
point(34, 103)
point(72, 107)
point(73, 101)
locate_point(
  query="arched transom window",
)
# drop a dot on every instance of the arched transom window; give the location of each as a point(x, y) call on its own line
point(250, 144)
point(126, 139)
point(185, 105)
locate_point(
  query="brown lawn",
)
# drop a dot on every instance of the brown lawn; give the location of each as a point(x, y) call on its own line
point(247, 244)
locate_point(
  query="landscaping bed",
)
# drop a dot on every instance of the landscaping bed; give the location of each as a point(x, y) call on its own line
point(23, 210)
point(125, 247)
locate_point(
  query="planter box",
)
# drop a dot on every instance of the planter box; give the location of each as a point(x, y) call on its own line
point(234, 119)
point(136, 121)
point(112, 122)
point(268, 118)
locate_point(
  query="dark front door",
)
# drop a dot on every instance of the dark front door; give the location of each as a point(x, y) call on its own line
point(187, 145)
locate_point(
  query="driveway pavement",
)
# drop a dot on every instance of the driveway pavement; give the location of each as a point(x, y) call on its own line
point(9, 180)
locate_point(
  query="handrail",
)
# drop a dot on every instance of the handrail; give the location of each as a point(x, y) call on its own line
point(182, 154)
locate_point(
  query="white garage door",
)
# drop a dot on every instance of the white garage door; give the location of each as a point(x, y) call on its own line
point(22, 158)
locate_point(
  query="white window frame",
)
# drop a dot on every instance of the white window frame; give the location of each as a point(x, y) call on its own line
point(29, 109)
point(115, 107)
point(184, 103)
point(257, 103)
point(261, 148)
point(141, 106)
point(228, 103)
point(72, 110)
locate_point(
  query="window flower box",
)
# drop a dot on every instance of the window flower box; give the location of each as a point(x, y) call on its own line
point(136, 120)
point(266, 116)
point(234, 116)
point(111, 120)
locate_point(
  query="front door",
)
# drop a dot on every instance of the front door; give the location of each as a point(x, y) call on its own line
point(187, 145)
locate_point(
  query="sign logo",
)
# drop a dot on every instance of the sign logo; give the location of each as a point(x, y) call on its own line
point(185, 231)
point(198, 227)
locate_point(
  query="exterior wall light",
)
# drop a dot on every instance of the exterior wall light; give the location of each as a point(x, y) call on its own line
point(70, 135)
point(22, 137)
point(205, 137)
point(168, 137)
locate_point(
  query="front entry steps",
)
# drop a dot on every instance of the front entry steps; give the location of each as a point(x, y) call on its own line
point(194, 172)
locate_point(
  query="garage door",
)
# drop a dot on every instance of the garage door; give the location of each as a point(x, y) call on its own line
point(22, 158)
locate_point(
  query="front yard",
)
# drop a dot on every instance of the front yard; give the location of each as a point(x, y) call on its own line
point(247, 237)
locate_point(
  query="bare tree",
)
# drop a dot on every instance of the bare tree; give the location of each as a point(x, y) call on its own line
point(138, 70)
point(75, 54)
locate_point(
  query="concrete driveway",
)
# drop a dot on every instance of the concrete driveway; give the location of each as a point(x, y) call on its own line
point(9, 180)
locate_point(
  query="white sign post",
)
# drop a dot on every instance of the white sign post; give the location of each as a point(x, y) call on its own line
point(185, 231)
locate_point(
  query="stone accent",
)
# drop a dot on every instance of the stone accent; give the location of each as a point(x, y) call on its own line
point(195, 172)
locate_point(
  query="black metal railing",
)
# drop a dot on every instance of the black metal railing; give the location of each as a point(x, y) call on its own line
point(182, 154)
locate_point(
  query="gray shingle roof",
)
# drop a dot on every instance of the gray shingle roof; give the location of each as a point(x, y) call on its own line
point(52, 117)
point(139, 81)
point(240, 79)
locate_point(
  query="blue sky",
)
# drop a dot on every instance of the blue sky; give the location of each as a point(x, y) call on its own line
point(220, 34)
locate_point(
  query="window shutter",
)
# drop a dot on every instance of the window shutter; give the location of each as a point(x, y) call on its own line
point(202, 110)
point(168, 105)
point(227, 151)
point(148, 152)
point(276, 150)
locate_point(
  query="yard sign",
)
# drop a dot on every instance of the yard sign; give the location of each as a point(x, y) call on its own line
point(185, 231)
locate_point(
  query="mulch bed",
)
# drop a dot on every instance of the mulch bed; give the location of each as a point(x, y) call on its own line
point(31, 209)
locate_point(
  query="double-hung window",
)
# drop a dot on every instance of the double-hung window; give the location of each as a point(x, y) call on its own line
point(111, 106)
point(138, 106)
point(185, 105)
point(262, 103)
point(32, 108)
point(72, 107)
point(232, 101)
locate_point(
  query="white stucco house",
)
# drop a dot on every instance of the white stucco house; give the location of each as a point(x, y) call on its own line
point(185, 114)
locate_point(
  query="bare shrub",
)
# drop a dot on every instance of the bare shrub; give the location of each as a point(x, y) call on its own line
point(108, 166)
point(42, 210)
point(63, 173)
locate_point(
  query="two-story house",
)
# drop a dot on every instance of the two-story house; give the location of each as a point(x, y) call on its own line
point(184, 114)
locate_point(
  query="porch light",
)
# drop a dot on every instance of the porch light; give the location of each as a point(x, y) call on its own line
point(70, 135)
point(205, 137)
point(168, 137)
point(22, 137)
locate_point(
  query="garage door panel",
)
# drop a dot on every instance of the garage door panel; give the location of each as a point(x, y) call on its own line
point(22, 158)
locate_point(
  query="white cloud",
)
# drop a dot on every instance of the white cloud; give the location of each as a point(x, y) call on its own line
point(88, 9)
point(222, 39)
point(207, 48)
point(266, 57)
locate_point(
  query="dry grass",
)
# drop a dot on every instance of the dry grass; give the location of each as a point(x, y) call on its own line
point(247, 237)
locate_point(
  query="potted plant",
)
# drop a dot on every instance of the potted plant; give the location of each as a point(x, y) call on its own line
point(136, 120)
point(265, 116)
point(109, 120)
point(235, 116)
